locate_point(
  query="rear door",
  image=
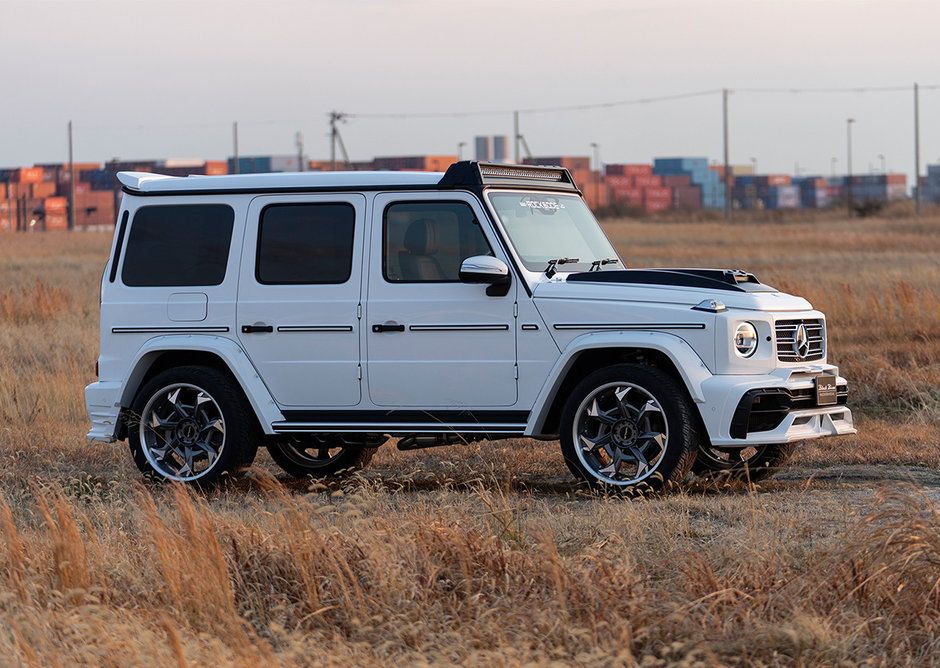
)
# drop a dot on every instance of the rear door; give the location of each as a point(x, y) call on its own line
point(299, 295)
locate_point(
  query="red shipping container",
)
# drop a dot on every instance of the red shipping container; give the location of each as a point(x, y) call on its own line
point(896, 179)
point(648, 181)
point(633, 196)
point(774, 180)
point(657, 205)
point(27, 175)
point(637, 169)
point(55, 204)
point(613, 170)
point(677, 180)
point(619, 181)
point(81, 188)
point(689, 197)
point(650, 194)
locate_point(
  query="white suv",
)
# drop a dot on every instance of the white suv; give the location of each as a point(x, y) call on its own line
point(320, 313)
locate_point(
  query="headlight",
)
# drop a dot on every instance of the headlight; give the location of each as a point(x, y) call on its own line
point(745, 339)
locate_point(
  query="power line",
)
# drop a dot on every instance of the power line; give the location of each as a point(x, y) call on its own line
point(537, 110)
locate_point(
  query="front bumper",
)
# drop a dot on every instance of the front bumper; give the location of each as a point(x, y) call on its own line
point(727, 414)
point(101, 402)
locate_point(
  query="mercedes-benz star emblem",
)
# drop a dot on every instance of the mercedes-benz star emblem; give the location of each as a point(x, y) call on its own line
point(801, 342)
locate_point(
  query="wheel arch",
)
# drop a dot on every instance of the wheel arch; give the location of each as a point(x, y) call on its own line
point(224, 355)
point(591, 352)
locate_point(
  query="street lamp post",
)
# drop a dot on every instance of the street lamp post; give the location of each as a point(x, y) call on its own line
point(754, 160)
point(832, 166)
point(884, 170)
point(460, 146)
point(848, 151)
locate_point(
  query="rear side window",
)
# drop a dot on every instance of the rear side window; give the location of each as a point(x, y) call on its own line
point(305, 244)
point(176, 245)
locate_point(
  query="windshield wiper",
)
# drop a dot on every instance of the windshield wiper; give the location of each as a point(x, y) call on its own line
point(597, 264)
point(550, 269)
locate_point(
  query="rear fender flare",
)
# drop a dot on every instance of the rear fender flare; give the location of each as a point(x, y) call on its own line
point(228, 351)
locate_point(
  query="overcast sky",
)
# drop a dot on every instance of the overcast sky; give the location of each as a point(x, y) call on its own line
point(166, 78)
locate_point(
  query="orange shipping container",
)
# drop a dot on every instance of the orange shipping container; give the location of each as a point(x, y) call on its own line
point(44, 189)
point(778, 180)
point(57, 221)
point(657, 205)
point(55, 204)
point(216, 167)
point(27, 175)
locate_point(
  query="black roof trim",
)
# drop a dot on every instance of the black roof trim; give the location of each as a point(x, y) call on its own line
point(715, 279)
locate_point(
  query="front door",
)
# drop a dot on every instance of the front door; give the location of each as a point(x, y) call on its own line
point(299, 294)
point(433, 341)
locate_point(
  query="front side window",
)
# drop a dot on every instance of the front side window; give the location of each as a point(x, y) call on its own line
point(178, 245)
point(427, 241)
point(544, 227)
point(305, 243)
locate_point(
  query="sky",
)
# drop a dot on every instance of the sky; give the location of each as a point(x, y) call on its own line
point(166, 79)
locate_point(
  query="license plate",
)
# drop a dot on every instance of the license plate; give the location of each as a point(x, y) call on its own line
point(826, 390)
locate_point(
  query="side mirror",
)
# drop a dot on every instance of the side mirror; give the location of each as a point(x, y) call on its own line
point(488, 270)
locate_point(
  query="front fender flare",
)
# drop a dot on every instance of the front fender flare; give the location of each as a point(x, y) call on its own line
point(690, 366)
point(227, 350)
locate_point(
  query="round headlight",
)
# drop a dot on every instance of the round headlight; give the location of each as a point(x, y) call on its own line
point(745, 339)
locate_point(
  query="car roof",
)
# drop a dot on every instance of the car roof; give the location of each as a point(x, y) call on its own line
point(146, 182)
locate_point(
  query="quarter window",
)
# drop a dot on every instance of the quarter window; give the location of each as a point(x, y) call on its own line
point(305, 244)
point(176, 245)
point(427, 241)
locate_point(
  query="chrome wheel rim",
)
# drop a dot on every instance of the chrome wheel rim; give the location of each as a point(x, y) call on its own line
point(620, 434)
point(182, 432)
point(313, 452)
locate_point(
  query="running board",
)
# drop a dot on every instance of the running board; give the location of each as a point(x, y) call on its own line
point(514, 429)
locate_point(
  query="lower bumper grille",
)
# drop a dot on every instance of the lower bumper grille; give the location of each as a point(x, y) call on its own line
point(764, 409)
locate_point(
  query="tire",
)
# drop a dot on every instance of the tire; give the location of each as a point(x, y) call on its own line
point(324, 455)
point(750, 464)
point(629, 427)
point(193, 425)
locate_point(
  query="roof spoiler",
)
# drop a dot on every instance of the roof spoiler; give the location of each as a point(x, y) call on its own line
point(135, 180)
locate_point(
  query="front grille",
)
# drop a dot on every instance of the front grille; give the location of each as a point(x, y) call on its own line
point(787, 349)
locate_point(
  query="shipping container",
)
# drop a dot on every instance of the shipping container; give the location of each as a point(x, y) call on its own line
point(569, 162)
point(216, 167)
point(633, 196)
point(687, 197)
point(55, 204)
point(27, 175)
point(56, 221)
point(647, 181)
point(677, 180)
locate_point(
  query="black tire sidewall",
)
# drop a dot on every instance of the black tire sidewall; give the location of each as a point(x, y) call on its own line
point(769, 459)
point(351, 459)
point(241, 427)
point(679, 453)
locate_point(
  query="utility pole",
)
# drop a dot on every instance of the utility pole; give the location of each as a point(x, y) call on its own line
point(336, 138)
point(299, 140)
point(916, 150)
point(515, 134)
point(71, 183)
point(235, 145)
point(848, 151)
point(727, 174)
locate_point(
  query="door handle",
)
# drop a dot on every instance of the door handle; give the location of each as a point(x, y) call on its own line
point(388, 327)
point(257, 329)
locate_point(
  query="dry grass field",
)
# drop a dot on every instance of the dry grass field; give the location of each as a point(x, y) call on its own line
point(488, 554)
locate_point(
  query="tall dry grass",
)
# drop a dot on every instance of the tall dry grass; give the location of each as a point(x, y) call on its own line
point(371, 576)
point(486, 553)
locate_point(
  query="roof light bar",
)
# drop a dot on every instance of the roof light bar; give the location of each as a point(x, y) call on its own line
point(472, 173)
point(546, 174)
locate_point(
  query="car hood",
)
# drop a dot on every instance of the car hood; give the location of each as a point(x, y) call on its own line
point(680, 287)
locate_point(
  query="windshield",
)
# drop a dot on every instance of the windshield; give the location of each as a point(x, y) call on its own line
point(557, 230)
